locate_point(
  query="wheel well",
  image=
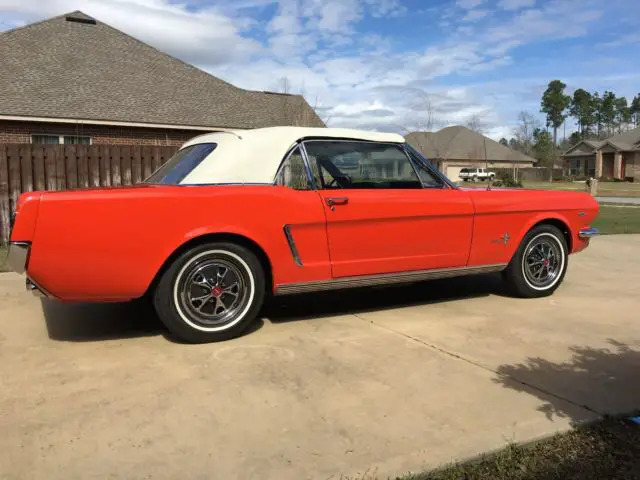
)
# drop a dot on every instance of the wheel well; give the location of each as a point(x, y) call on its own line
point(218, 237)
point(560, 225)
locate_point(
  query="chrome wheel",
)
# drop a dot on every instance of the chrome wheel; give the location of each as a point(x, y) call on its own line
point(543, 261)
point(214, 291)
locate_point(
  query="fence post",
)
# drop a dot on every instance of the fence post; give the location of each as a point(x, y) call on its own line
point(5, 205)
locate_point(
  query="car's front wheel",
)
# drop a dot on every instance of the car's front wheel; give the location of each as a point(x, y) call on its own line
point(540, 263)
point(211, 292)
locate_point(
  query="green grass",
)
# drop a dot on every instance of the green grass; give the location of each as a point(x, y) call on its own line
point(605, 189)
point(608, 449)
point(3, 257)
point(618, 219)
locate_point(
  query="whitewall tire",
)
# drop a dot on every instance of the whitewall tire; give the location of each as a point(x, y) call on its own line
point(211, 292)
point(540, 263)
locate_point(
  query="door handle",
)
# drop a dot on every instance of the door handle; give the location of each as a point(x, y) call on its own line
point(332, 201)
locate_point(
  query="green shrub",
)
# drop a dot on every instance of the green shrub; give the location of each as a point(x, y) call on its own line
point(506, 180)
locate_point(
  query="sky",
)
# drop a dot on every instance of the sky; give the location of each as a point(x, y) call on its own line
point(387, 65)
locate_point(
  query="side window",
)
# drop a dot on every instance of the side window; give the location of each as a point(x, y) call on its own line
point(428, 178)
point(183, 162)
point(292, 172)
point(347, 164)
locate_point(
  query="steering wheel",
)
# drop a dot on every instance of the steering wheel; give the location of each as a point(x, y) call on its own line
point(342, 180)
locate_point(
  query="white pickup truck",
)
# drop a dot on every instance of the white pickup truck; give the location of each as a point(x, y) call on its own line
point(475, 174)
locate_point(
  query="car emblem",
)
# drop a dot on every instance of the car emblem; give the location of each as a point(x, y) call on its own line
point(503, 238)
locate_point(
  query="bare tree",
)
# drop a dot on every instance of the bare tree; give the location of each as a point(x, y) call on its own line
point(422, 112)
point(523, 132)
point(422, 121)
point(293, 108)
point(476, 123)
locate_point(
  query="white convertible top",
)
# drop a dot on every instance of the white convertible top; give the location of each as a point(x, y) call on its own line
point(254, 156)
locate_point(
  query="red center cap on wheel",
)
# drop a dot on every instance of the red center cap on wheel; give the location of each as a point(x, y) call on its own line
point(546, 262)
point(216, 291)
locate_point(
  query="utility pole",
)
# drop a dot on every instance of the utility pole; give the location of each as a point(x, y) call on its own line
point(486, 161)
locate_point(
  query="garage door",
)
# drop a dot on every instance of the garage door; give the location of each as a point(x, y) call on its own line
point(453, 172)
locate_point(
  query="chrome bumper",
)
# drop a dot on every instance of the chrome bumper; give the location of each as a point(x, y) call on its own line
point(18, 255)
point(588, 232)
point(35, 289)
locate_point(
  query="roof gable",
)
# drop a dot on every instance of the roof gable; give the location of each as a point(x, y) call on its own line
point(74, 69)
point(460, 143)
point(583, 147)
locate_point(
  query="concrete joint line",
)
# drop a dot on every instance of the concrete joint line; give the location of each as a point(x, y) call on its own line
point(479, 365)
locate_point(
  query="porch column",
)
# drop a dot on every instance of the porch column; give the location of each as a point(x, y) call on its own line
point(598, 163)
point(617, 165)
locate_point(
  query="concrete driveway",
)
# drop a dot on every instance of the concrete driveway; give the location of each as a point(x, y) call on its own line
point(381, 381)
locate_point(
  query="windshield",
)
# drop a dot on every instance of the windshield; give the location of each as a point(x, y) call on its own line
point(181, 164)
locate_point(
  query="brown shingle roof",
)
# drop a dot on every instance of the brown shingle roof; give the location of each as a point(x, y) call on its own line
point(91, 71)
point(625, 141)
point(461, 143)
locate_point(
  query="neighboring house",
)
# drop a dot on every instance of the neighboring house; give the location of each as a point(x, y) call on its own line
point(614, 157)
point(74, 79)
point(457, 147)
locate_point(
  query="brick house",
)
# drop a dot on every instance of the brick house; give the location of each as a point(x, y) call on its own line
point(615, 157)
point(73, 79)
point(457, 147)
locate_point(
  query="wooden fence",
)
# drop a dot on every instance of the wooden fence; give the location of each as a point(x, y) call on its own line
point(530, 174)
point(25, 168)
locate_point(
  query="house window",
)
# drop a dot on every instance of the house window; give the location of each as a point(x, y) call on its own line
point(60, 140)
point(45, 139)
point(74, 140)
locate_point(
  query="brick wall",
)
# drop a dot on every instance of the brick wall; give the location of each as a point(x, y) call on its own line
point(632, 168)
point(20, 132)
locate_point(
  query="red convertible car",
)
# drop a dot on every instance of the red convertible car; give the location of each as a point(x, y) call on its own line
point(237, 215)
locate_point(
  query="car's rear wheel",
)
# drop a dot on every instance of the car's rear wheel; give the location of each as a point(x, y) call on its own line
point(211, 292)
point(540, 263)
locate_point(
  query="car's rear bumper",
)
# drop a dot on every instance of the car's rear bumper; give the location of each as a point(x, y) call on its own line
point(586, 233)
point(18, 256)
point(36, 289)
point(17, 260)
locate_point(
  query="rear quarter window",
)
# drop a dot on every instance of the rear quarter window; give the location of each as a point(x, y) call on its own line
point(183, 162)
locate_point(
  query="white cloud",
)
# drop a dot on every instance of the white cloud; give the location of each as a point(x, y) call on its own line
point(190, 35)
point(468, 4)
point(473, 15)
point(620, 41)
point(515, 4)
point(558, 19)
point(356, 77)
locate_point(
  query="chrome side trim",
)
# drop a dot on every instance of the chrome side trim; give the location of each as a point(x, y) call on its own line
point(385, 279)
point(292, 245)
point(588, 232)
point(18, 255)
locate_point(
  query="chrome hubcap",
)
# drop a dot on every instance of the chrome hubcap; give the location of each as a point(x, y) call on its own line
point(542, 262)
point(213, 291)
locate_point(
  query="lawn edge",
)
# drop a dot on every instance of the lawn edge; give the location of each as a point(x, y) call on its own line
point(525, 445)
